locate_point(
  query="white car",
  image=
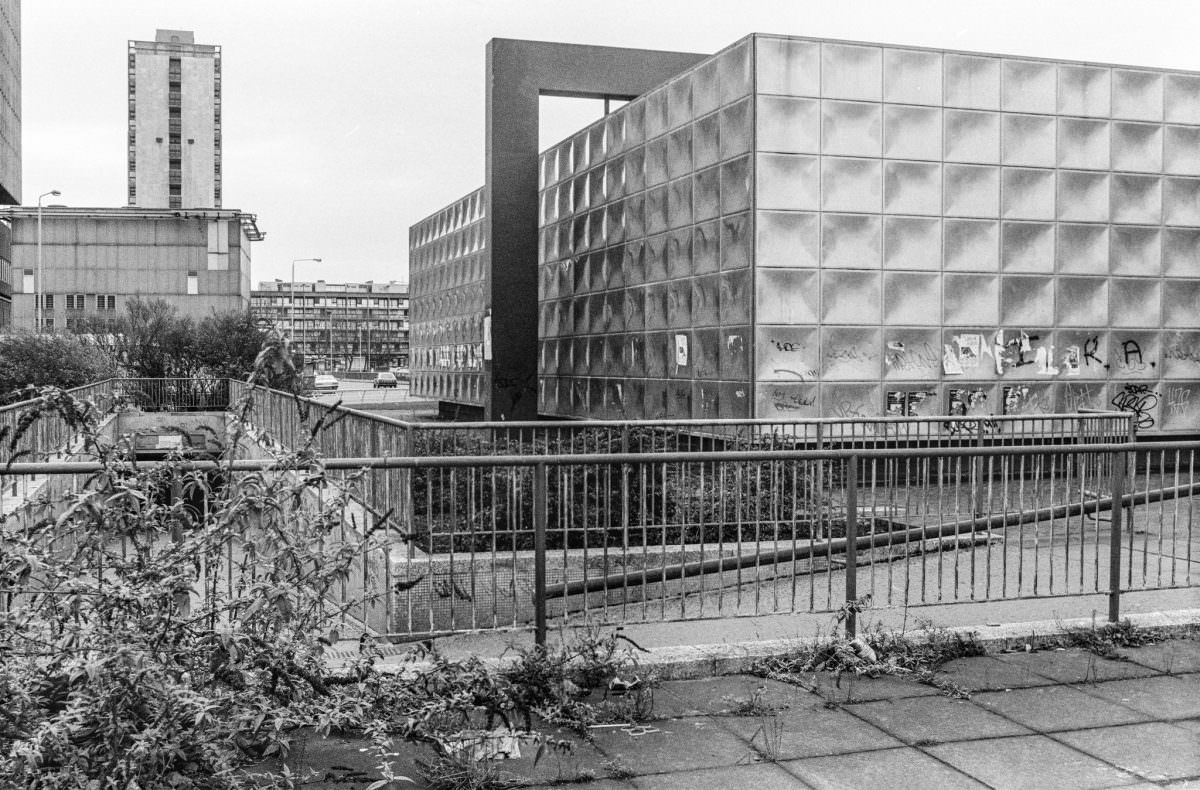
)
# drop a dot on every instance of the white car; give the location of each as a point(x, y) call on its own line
point(325, 383)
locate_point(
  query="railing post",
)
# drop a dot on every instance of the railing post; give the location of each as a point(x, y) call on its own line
point(540, 487)
point(851, 545)
point(1117, 486)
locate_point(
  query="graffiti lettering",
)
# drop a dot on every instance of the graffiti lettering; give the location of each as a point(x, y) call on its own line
point(786, 401)
point(849, 410)
point(1178, 401)
point(1090, 346)
point(786, 345)
point(901, 358)
point(1140, 400)
point(1077, 398)
point(1182, 352)
point(1131, 357)
point(853, 353)
point(811, 373)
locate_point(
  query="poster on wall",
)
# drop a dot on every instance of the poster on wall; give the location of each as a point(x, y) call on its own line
point(963, 402)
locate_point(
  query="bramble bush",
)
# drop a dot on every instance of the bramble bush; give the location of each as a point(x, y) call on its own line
point(147, 642)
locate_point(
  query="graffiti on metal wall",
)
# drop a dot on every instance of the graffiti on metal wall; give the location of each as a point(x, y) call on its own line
point(1140, 400)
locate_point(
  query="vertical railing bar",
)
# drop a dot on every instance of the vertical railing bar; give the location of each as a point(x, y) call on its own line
point(1117, 485)
point(851, 545)
point(539, 552)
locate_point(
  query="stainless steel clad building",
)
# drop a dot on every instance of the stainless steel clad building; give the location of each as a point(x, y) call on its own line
point(800, 228)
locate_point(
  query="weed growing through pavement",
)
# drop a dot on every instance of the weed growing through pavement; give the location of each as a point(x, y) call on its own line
point(1105, 640)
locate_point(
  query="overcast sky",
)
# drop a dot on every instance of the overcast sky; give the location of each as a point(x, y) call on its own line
point(346, 122)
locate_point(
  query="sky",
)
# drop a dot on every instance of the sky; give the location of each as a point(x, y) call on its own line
point(346, 122)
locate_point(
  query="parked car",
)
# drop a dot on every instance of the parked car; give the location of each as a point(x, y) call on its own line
point(325, 383)
point(384, 379)
point(403, 374)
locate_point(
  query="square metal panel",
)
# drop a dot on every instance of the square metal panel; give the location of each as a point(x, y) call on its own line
point(735, 241)
point(1136, 199)
point(972, 136)
point(706, 351)
point(1181, 201)
point(912, 76)
point(635, 215)
point(788, 67)
point(850, 71)
point(851, 184)
point(679, 102)
point(1075, 395)
point(635, 123)
point(970, 300)
point(706, 139)
point(1084, 90)
point(1082, 249)
point(654, 398)
point(1133, 302)
point(660, 354)
point(911, 298)
point(1181, 355)
point(1082, 301)
point(614, 178)
point(1181, 98)
point(1133, 355)
point(789, 125)
point(1083, 144)
point(850, 297)
point(1180, 406)
point(1181, 300)
point(679, 152)
point(1082, 196)
point(656, 258)
point(912, 243)
point(656, 209)
point(736, 296)
point(706, 88)
point(706, 247)
point(656, 163)
point(972, 191)
point(1181, 252)
point(1082, 354)
point(679, 202)
point(782, 401)
point(788, 239)
point(706, 300)
point(1028, 86)
point(1027, 193)
point(1137, 95)
point(1027, 247)
point(736, 71)
point(1028, 140)
point(1136, 251)
point(679, 304)
point(1181, 150)
point(971, 245)
point(614, 133)
point(1031, 398)
point(788, 182)
point(1137, 146)
point(851, 128)
point(734, 401)
point(787, 353)
point(735, 353)
point(850, 241)
point(912, 188)
point(912, 132)
point(736, 179)
point(912, 354)
point(656, 113)
point(1026, 300)
point(706, 194)
point(679, 253)
point(851, 401)
point(736, 128)
point(972, 81)
point(851, 353)
point(705, 400)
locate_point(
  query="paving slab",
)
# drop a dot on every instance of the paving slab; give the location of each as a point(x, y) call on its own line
point(1075, 665)
point(808, 730)
point(985, 673)
point(1030, 761)
point(1053, 708)
point(1162, 698)
point(723, 695)
point(895, 769)
point(1176, 656)
point(673, 745)
point(1152, 750)
point(930, 720)
point(760, 776)
point(599, 784)
point(850, 688)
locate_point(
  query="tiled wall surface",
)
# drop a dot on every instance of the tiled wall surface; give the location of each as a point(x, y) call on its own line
point(877, 230)
point(447, 259)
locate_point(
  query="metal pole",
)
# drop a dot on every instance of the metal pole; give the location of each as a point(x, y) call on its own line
point(539, 553)
point(851, 544)
point(1117, 470)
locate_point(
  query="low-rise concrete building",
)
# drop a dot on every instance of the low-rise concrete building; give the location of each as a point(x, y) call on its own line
point(339, 326)
point(90, 261)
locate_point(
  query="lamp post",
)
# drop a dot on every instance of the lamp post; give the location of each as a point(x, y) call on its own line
point(292, 314)
point(40, 291)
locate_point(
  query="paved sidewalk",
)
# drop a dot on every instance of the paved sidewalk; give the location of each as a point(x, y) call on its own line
point(1042, 719)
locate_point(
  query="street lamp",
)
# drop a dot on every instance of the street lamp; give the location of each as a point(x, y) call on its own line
point(292, 316)
point(40, 291)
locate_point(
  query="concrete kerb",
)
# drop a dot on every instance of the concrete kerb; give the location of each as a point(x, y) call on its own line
point(691, 662)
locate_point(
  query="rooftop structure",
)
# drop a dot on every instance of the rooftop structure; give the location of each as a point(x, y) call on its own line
point(796, 227)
